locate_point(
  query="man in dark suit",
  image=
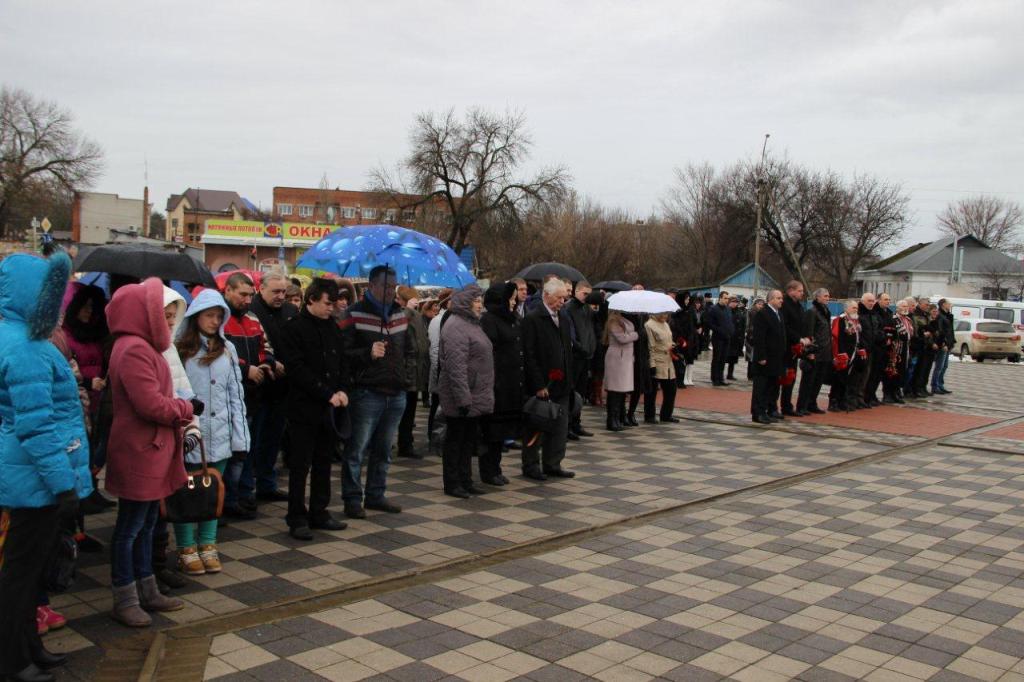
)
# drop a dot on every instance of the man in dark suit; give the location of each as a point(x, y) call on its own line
point(793, 319)
point(769, 359)
point(547, 349)
point(719, 319)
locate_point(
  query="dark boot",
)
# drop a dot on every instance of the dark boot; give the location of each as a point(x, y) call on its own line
point(613, 423)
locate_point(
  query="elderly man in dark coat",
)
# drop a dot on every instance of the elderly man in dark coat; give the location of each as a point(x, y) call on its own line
point(768, 362)
point(547, 355)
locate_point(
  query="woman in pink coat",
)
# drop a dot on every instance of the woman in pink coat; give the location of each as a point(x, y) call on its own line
point(144, 455)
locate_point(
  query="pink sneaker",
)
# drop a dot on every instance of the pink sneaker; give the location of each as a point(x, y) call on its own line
point(41, 627)
point(52, 619)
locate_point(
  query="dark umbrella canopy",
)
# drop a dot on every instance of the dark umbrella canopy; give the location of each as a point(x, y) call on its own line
point(145, 260)
point(613, 285)
point(539, 271)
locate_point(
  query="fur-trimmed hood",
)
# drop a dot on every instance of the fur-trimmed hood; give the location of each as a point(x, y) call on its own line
point(31, 291)
point(138, 310)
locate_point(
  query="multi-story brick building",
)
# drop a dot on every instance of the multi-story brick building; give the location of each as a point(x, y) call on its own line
point(342, 207)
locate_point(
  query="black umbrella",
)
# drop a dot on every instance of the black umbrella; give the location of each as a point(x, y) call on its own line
point(613, 285)
point(145, 260)
point(538, 271)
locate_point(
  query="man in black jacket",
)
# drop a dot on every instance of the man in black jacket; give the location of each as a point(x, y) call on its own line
point(872, 336)
point(880, 359)
point(793, 319)
point(719, 319)
point(584, 344)
point(382, 358)
point(946, 340)
point(268, 420)
point(315, 357)
point(547, 361)
point(817, 359)
point(768, 359)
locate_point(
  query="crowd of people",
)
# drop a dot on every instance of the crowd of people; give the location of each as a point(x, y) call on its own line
point(143, 389)
point(869, 346)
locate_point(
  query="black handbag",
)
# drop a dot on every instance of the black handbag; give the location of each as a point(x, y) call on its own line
point(60, 573)
point(200, 499)
point(541, 415)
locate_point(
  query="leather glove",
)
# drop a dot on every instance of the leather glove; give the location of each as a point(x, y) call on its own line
point(654, 372)
point(464, 411)
point(239, 455)
point(197, 406)
point(67, 505)
point(191, 441)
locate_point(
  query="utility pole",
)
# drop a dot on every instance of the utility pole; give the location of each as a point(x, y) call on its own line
point(760, 207)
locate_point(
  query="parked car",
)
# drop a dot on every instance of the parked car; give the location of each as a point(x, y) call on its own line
point(987, 340)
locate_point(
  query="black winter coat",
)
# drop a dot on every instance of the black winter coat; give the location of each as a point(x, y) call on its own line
point(945, 334)
point(546, 347)
point(502, 327)
point(872, 328)
point(684, 325)
point(739, 325)
point(273, 321)
point(793, 318)
point(583, 321)
point(719, 319)
point(315, 364)
point(769, 343)
point(818, 328)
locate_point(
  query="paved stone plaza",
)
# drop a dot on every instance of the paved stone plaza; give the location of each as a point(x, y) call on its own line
point(884, 544)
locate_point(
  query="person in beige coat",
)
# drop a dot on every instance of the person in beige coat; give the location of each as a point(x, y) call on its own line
point(663, 373)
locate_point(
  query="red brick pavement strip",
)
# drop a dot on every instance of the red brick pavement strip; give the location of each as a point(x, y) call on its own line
point(905, 421)
point(1014, 432)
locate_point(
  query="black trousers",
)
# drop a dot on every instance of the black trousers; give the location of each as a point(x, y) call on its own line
point(457, 453)
point(811, 381)
point(406, 424)
point(923, 370)
point(312, 449)
point(435, 402)
point(490, 461)
point(879, 359)
point(668, 399)
point(719, 354)
point(581, 370)
point(764, 395)
point(30, 538)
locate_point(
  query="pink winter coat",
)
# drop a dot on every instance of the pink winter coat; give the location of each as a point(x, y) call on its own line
point(144, 455)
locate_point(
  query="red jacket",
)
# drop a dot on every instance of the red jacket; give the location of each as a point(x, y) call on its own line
point(144, 454)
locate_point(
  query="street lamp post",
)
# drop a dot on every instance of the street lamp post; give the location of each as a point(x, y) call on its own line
point(35, 233)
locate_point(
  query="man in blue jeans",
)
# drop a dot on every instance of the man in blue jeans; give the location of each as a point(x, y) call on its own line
point(382, 357)
point(947, 342)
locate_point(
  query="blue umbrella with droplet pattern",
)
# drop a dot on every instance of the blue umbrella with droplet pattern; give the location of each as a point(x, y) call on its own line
point(416, 258)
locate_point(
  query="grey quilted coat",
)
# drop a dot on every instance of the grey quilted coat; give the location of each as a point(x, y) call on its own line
point(466, 378)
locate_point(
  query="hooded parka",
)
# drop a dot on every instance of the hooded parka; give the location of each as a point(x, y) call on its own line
point(218, 386)
point(43, 446)
point(144, 454)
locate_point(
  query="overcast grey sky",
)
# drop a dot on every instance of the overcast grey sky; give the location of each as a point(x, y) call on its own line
point(248, 95)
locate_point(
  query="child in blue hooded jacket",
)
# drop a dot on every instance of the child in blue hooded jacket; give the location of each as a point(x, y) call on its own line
point(44, 451)
point(211, 363)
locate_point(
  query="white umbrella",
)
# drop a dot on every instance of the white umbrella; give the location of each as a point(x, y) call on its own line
point(641, 301)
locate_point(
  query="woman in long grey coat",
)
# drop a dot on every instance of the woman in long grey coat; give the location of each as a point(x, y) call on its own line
point(619, 336)
point(465, 388)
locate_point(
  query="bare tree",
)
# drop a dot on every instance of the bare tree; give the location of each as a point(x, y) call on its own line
point(999, 282)
point(858, 221)
point(468, 168)
point(995, 221)
point(39, 145)
point(700, 216)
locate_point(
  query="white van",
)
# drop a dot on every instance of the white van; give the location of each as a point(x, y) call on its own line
point(980, 309)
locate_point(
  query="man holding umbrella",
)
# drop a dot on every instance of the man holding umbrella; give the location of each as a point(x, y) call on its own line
point(381, 357)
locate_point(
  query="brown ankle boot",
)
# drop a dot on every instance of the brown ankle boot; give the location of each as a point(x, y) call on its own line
point(126, 607)
point(152, 600)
